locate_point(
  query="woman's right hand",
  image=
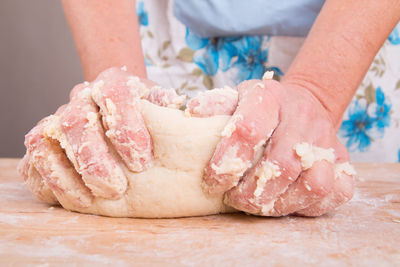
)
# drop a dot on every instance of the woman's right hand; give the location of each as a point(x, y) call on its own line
point(80, 152)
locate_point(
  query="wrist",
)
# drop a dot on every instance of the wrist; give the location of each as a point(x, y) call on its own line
point(339, 50)
point(333, 107)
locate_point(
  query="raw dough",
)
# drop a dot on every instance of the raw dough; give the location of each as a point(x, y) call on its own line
point(172, 186)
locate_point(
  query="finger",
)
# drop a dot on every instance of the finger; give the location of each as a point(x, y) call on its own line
point(81, 134)
point(250, 127)
point(274, 172)
point(125, 126)
point(312, 185)
point(341, 193)
point(77, 89)
point(270, 177)
point(343, 187)
point(156, 94)
point(35, 182)
point(283, 161)
point(164, 97)
point(54, 167)
point(221, 101)
point(244, 86)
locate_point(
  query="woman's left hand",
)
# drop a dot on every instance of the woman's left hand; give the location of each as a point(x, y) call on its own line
point(279, 154)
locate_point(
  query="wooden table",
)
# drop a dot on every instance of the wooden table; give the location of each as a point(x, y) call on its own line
point(365, 231)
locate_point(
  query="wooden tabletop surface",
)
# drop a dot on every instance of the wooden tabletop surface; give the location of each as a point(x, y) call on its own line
point(364, 232)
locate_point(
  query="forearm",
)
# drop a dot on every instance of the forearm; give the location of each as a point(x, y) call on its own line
point(106, 34)
point(339, 49)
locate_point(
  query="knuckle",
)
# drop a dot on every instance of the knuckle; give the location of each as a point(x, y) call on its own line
point(247, 130)
point(320, 185)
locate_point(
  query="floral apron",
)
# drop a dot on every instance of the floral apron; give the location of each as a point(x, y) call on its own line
point(177, 58)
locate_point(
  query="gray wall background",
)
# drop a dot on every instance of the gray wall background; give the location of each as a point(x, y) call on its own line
point(38, 67)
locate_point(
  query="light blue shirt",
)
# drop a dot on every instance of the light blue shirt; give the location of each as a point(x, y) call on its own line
point(208, 18)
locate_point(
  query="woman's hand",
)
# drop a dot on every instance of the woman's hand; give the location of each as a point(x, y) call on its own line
point(296, 119)
point(81, 150)
point(279, 154)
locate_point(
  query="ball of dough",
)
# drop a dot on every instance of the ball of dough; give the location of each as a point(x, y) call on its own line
point(182, 147)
